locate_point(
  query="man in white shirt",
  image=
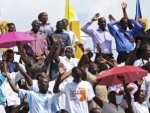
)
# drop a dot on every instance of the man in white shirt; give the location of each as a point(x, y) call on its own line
point(145, 64)
point(78, 93)
point(67, 60)
point(73, 37)
point(100, 36)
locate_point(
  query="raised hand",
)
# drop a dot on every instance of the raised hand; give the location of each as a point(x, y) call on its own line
point(100, 59)
point(62, 42)
point(86, 51)
point(124, 5)
point(111, 18)
point(95, 17)
point(80, 45)
point(138, 44)
point(121, 78)
point(61, 68)
point(98, 48)
point(4, 56)
point(24, 99)
point(5, 74)
point(56, 38)
point(75, 47)
point(140, 82)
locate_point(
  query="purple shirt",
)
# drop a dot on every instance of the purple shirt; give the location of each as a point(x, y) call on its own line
point(39, 45)
point(103, 38)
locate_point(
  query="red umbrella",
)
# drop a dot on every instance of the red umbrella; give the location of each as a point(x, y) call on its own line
point(130, 73)
point(9, 39)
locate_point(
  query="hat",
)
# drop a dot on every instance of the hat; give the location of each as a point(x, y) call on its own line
point(70, 47)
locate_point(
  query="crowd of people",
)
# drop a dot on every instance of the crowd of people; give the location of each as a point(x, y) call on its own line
point(49, 79)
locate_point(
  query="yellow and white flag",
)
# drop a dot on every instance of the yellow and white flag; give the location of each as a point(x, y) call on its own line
point(69, 13)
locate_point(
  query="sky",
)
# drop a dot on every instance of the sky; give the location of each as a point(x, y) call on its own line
point(23, 12)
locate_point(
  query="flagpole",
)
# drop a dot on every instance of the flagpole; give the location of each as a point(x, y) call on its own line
point(68, 13)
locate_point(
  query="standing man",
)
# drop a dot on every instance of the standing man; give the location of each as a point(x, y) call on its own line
point(45, 26)
point(40, 44)
point(78, 93)
point(73, 37)
point(124, 38)
point(39, 102)
point(63, 37)
point(100, 36)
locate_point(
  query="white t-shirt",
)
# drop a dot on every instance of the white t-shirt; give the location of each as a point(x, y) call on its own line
point(141, 108)
point(10, 95)
point(68, 64)
point(140, 62)
point(38, 102)
point(146, 83)
point(77, 96)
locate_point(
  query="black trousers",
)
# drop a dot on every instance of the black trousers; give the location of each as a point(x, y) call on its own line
point(9, 109)
point(105, 56)
point(123, 56)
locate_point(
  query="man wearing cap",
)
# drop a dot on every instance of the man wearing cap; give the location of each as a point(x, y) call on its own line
point(69, 62)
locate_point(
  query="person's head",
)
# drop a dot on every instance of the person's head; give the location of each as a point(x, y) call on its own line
point(69, 51)
point(114, 97)
point(139, 96)
point(123, 23)
point(90, 55)
point(35, 25)
point(59, 26)
point(11, 27)
point(93, 68)
point(43, 17)
point(77, 74)
point(43, 84)
point(42, 75)
point(62, 111)
point(143, 25)
point(102, 23)
point(145, 51)
point(95, 110)
point(65, 23)
point(37, 56)
point(10, 55)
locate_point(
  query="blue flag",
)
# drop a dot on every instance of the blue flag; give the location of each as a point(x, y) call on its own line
point(138, 14)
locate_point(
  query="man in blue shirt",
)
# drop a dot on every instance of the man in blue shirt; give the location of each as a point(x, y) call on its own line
point(67, 42)
point(39, 102)
point(124, 38)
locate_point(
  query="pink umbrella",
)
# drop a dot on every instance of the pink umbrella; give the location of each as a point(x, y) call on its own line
point(9, 39)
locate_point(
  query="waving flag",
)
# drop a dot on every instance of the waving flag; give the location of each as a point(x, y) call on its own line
point(69, 12)
point(138, 11)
